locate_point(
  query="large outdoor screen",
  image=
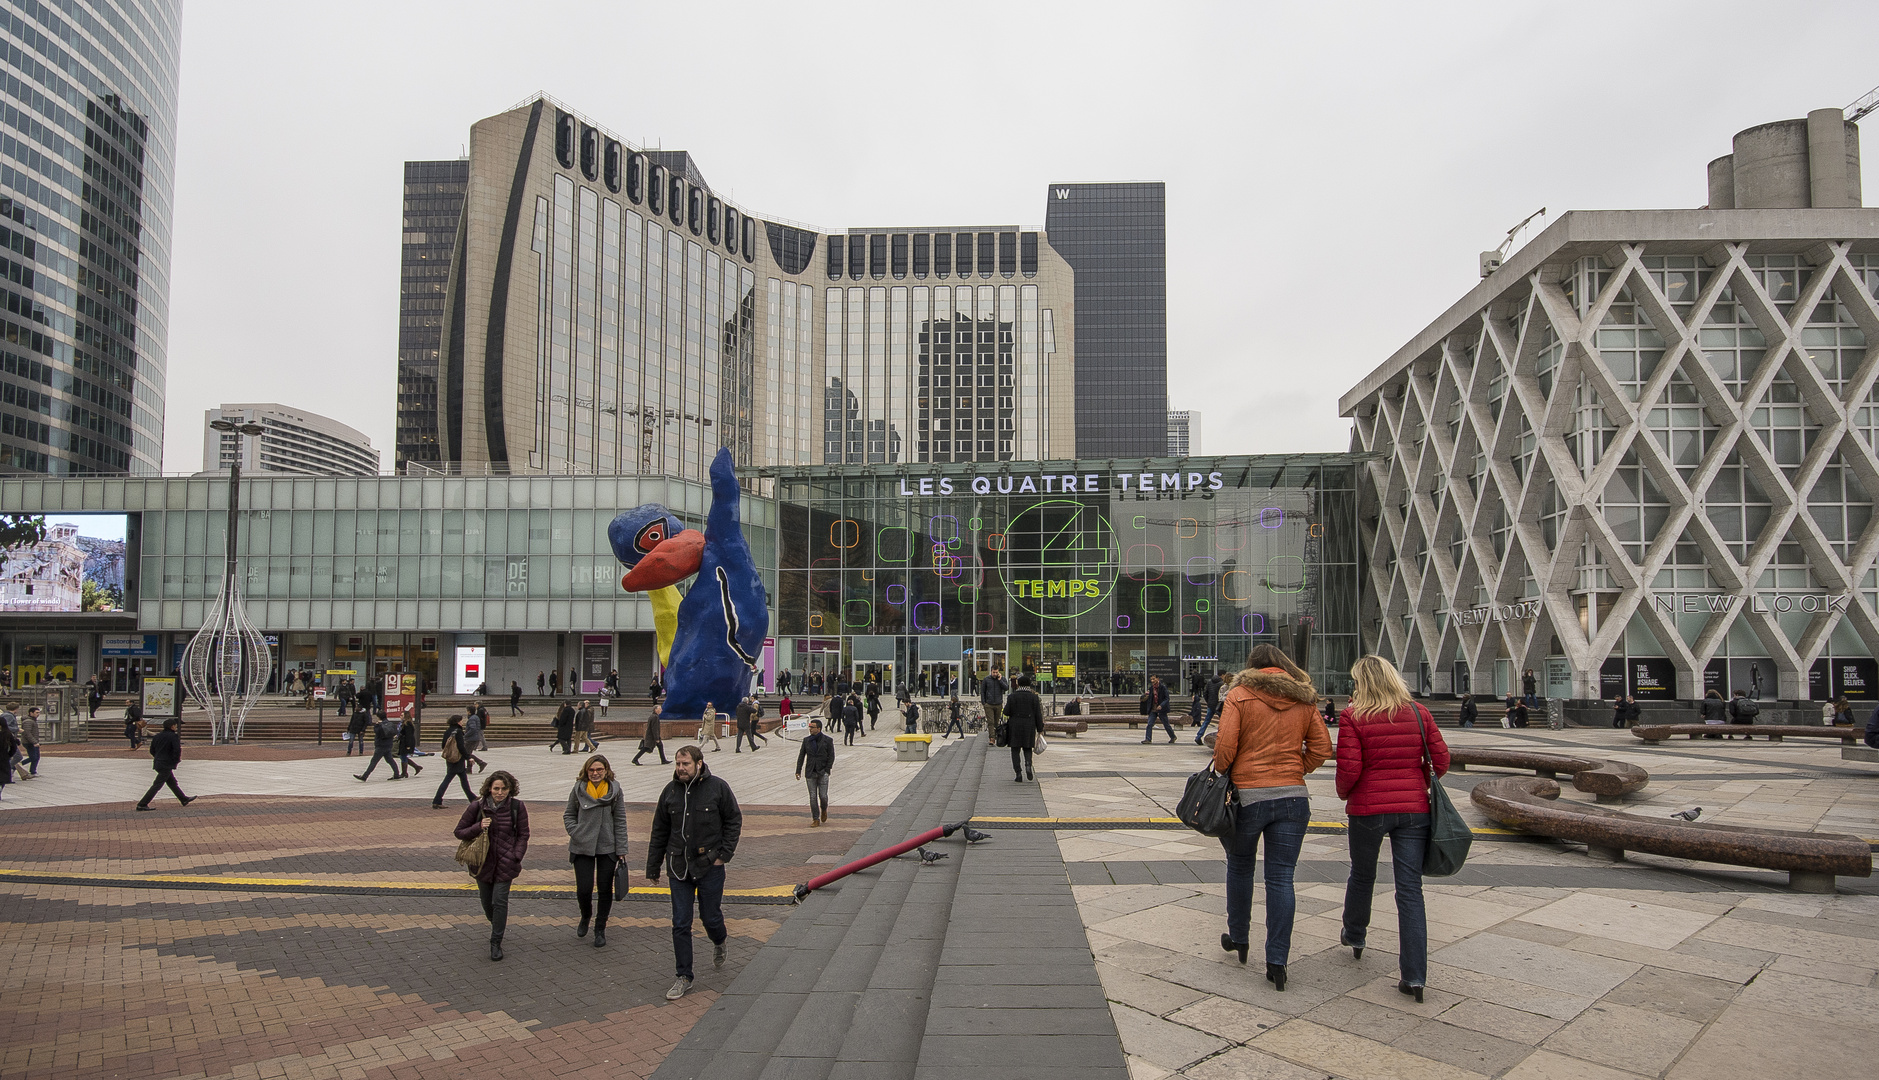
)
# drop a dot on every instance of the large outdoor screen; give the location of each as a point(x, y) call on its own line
point(79, 566)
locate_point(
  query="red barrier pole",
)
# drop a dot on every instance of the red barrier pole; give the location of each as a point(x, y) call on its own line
point(883, 855)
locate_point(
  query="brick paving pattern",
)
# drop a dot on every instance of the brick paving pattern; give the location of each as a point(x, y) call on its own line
point(113, 982)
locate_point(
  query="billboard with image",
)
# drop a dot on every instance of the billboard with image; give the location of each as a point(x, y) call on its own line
point(79, 566)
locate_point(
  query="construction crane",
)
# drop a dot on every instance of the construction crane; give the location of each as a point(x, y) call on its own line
point(1491, 260)
point(1864, 105)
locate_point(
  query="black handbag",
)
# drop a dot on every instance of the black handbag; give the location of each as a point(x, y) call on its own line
point(1210, 805)
point(1449, 836)
point(622, 879)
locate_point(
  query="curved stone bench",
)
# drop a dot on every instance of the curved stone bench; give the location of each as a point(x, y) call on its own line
point(1847, 734)
point(1068, 726)
point(1611, 781)
point(1811, 860)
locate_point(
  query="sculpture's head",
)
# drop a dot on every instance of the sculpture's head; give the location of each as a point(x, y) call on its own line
point(656, 549)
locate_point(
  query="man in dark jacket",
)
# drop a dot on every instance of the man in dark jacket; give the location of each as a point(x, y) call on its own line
point(166, 752)
point(1157, 710)
point(564, 729)
point(1211, 698)
point(695, 826)
point(746, 724)
point(992, 695)
point(1024, 722)
point(356, 727)
point(384, 747)
point(814, 761)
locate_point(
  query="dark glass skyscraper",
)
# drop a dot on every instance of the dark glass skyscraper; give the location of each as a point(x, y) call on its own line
point(87, 153)
point(1114, 236)
point(433, 207)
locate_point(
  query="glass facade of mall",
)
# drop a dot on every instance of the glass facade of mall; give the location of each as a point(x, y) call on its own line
point(1112, 569)
point(1118, 568)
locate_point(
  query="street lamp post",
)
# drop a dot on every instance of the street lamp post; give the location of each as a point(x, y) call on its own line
point(225, 666)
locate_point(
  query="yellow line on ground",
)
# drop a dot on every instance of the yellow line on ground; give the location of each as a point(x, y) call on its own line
point(1123, 823)
point(466, 885)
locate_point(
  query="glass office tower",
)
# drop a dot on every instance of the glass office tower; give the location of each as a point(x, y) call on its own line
point(87, 153)
point(1115, 238)
point(433, 208)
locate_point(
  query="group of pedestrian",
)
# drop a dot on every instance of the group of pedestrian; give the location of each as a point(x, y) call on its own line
point(574, 728)
point(696, 824)
point(1388, 750)
point(19, 743)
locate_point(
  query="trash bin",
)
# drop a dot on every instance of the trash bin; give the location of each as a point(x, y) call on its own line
point(911, 747)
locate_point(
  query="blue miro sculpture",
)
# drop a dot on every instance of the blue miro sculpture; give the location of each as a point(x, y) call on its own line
point(711, 640)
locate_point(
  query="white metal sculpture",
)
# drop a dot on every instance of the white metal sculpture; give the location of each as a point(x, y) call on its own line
point(226, 665)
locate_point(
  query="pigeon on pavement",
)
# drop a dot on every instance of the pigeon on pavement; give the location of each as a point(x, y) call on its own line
point(1688, 815)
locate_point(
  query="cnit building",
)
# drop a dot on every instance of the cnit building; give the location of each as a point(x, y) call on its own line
point(1638, 457)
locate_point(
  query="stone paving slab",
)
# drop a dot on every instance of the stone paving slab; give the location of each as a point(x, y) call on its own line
point(1544, 965)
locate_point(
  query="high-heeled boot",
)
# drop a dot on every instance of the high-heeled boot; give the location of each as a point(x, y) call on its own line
point(1275, 974)
point(1228, 944)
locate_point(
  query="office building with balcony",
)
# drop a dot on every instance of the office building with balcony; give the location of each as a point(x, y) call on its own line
point(291, 441)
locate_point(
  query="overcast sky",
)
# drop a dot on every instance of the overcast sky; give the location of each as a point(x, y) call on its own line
point(1332, 170)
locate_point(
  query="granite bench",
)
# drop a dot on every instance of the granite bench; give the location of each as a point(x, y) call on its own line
point(1812, 860)
point(1773, 732)
point(1068, 727)
point(1858, 753)
point(1610, 781)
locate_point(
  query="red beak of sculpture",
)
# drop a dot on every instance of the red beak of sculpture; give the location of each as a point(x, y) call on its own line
point(676, 558)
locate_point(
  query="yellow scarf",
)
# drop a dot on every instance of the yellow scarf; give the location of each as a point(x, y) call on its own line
point(597, 792)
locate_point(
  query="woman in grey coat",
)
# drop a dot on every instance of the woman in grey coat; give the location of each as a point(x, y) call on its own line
point(596, 821)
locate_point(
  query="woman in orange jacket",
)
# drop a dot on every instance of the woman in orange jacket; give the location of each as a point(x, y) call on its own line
point(1270, 736)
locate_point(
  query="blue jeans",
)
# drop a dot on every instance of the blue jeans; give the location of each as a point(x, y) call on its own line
point(1206, 717)
point(1282, 822)
point(1409, 838)
point(709, 893)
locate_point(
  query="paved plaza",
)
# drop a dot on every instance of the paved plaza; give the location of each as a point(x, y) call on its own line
point(298, 923)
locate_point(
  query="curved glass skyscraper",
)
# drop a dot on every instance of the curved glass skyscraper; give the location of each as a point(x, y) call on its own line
point(87, 159)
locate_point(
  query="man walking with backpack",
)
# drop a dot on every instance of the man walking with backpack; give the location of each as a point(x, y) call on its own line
point(384, 747)
point(992, 690)
point(1743, 710)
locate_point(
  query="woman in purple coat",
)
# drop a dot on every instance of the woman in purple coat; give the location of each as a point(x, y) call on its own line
point(506, 818)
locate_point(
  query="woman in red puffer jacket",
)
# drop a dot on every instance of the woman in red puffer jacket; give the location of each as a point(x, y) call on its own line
point(1380, 774)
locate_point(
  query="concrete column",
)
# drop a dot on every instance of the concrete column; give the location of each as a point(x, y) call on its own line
point(1792, 685)
point(1826, 159)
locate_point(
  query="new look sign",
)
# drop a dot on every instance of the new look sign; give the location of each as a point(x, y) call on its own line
point(1704, 603)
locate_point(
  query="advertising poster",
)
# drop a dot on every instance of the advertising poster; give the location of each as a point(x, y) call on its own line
point(401, 693)
point(79, 566)
point(1820, 680)
point(1169, 668)
point(1855, 677)
point(1653, 678)
point(161, 699)
point(1755, 674)
point(1716, 677)
point(470, 661)
point(596, 661)
point(1611, 679)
